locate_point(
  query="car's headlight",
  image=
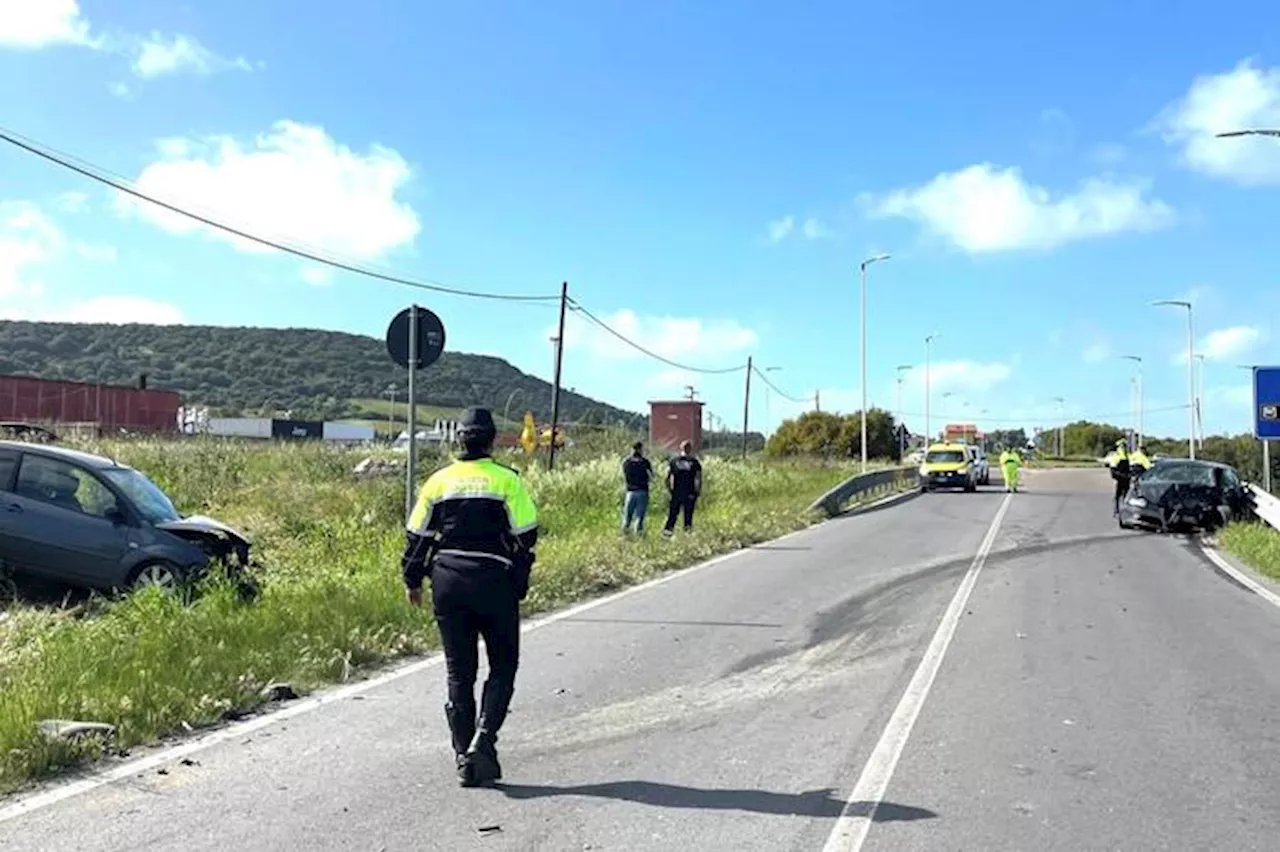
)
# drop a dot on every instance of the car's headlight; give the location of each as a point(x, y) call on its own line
point(1140, 502)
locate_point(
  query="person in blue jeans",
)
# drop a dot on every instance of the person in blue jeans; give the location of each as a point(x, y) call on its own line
point(636, 474)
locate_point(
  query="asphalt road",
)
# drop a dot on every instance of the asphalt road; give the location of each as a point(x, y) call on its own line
point(1102, 690)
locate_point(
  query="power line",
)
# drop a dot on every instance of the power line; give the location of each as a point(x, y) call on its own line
point(602, 324)
point(1051, 420)
point(774, 387)
point(97, 174)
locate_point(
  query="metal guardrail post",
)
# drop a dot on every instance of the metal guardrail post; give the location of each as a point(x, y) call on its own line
point(1265, 506)
point(860, 485)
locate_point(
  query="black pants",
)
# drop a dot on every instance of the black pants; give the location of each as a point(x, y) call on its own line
point(470, 603)
point(681, 503)
point(1122, 488)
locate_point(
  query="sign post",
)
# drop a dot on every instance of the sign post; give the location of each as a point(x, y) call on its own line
point(1266, 415)
point(415, 339)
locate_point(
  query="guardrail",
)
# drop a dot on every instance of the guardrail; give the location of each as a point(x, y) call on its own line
point(873, 483)
point(1265, 506)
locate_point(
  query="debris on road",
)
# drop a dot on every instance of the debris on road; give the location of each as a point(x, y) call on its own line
point(279, 692)
point(66, 729)
point(378, 467)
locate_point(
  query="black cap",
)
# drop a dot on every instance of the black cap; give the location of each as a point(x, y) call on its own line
point(477, 420)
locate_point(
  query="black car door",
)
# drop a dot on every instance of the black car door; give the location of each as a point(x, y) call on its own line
point(68, 523)
point(10, 517)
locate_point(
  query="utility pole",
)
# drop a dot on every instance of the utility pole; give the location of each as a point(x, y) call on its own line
point(1061, 416)
point(555, 387)
point(816, 405)
point(1200, 401)
point(863, 272)
point(902, 432)
point(1137, 359)
point(746, 408)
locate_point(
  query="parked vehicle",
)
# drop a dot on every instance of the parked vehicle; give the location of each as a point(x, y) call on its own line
point(1185, 494)
point(91, 522)
point(981, 465)
point(948, 466)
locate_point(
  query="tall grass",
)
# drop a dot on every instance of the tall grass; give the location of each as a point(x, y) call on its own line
point(1255, 543)
point(332, 601)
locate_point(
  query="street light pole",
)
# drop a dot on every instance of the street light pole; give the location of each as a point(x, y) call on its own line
point(1200, 400)
point(863, 275)
point(1137, 359)
point(766, 397)
point(902, 432)
point(1191, 372)
point(928, 434)
point(1061, 415)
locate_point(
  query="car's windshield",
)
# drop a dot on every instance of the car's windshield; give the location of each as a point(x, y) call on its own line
point(152, 504)
point(1180, 473)
point(944, 456)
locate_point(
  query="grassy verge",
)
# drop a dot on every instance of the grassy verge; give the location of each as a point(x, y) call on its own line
point(1256, 544)
point(332, 602)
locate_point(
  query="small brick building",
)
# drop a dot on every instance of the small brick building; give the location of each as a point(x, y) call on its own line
point(673, 421)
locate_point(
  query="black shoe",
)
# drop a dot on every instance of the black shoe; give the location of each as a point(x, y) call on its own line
point(482, 765)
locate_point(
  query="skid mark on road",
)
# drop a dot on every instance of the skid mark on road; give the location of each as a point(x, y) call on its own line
point(850, 830)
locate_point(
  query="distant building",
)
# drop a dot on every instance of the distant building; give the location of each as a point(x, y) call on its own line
point(103, 408)
point(673, 421)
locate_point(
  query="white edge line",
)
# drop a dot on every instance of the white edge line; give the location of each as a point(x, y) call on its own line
point(1239, 576)
point(26, 804)
point(850, 830)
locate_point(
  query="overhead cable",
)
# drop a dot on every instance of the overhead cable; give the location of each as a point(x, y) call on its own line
point(577, 306)
point(774, 387)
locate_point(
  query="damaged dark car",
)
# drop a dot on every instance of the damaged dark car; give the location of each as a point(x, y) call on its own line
point(90, 522)
point(1185, 495)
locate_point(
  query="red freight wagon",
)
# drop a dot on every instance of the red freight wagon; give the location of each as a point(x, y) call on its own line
point(112, 407)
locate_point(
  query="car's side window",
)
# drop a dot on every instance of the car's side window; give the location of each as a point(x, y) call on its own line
point(8, 461)
point(64, 485)
point(1230, 480)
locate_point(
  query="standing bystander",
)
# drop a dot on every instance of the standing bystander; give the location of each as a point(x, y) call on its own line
point(684, 481)
point(636, 473)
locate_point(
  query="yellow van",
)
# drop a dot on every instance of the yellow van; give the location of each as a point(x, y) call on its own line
point(948, 465)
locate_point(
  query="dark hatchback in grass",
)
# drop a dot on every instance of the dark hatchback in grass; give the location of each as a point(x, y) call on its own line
point(1185, 494)
point(89, 521)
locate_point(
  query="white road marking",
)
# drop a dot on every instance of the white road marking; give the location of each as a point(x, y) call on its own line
point(95, 779)
point(850, 830)
point(1239, 576)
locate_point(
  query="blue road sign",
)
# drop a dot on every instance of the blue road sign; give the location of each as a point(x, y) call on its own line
point(1266, 402)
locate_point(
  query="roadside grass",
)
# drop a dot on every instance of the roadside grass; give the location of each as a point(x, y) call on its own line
point(332, 603)
point(1256, 544)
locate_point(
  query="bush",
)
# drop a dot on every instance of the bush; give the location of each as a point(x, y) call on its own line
point(332, 601)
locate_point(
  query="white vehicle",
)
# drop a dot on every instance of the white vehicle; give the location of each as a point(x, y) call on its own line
point(981, 466)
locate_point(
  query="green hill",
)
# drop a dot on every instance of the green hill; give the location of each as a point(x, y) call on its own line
point(310, 373)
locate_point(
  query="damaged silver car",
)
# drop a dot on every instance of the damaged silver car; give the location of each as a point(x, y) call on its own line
point(91, 522)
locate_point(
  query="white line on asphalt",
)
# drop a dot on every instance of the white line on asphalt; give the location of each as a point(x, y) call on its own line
point(95, 779)
point(1239, 576)
point(850, 830)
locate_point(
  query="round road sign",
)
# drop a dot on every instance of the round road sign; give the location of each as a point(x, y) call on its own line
point(430, 338)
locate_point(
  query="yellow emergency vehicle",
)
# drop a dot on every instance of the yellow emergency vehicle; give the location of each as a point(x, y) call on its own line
point(948, 465)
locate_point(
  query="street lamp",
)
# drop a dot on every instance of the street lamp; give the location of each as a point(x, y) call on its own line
point(928, 342)
point(902, 432)
point(1137, 359)
point(1191, 372)
point(1200, 400)
point(1061, 416)
point(863, 275)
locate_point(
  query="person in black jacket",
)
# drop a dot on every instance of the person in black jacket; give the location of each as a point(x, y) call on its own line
point(472, 532)
point(684, 481)
point(1120, 473)
point(636, 473)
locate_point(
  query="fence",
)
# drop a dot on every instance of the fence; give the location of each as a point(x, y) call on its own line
point(867, 486)
point(1265, 506)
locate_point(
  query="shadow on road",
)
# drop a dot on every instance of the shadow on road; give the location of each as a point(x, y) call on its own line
point(814, 803)
point(673, 623)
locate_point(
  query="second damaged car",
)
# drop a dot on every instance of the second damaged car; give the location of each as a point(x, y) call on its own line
point(1176, 495)
point(88, 521)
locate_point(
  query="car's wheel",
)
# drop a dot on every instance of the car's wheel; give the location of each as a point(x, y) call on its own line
point(164, 575)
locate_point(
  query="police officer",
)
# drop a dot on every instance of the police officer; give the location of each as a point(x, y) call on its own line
point(1120, 473)
point(472, 532)
point(1138, 463)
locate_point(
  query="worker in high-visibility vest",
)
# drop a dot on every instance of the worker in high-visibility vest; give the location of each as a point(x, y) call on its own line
point(1120, 473)
point(1010, 464)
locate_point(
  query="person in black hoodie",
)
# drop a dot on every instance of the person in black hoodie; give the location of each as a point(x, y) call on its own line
point(636, 473)
point(684, 481)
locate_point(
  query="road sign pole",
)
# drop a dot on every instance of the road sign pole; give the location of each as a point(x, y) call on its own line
point(1266, 465)
point(412, 416)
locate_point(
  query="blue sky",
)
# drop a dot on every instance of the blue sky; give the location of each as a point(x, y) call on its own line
point(706, 180)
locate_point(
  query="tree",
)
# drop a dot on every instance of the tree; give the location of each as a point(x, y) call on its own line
point(822, 433)
point(1007, 438)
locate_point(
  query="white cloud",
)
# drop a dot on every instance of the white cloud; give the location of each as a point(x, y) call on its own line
point(316, 275)
point(1099, 350)
point(294, 184)
point(33, 24)
point(1246, 97)
point(780, 229)
point(696, 342)
point(157, 55)
point(985, 209)
point(814, 229)
point(28, 239)
point(962, 376)
point(123, 309)
point(120, 90)
point(1223, 344)
point(72, 202)
point(1109, 154)
point(96, 252)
